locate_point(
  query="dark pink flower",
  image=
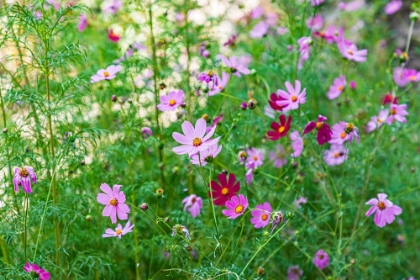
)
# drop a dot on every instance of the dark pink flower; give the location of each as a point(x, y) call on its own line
point(321, 259)
point(225, 189)
point(280, 129)
point(36, 271)
point(82, 23)
point(273, 102)
point(119, 231)
point(231, 40)
point(194, 204)
point(261, 215)
point(294, 272)
point(23, 177)
point(114, 201)
point(385, 210)
point(323, 130)
point(236, 206)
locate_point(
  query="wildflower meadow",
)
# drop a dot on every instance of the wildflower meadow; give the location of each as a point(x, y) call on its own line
point(210, 139)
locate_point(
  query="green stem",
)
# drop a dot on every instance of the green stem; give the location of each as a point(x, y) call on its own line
point(153, 243)
point(4, 251)
point(410, 34)
point(25, 240)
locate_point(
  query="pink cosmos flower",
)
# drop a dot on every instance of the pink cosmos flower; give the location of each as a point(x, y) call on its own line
point(119, 231)
point(194, 204)
point(280, 129)
point(269, 112)
point(297, 144)
point(304, 49)
point(126, 56)
point(114, 201)
point(337, 87)
point(23, 177)
point(349, 50)
point(301, 200)
point(279, 157)
point(293, 97)
point(342, 132)
point(403, 76)
point(315, 23)
point(397, 113)
point(317, 2)
point(194, 140)
point(259, 30)
point(256, 12)
point(351, 6)
point(147, 131)
point(36, 271)
point(385, 210)
point(81, 26)
point(249, 176)
point(236, 67)
point(255, 158)
point(353, 85)
point(282, 30)
point(221, 85)
point(271, 18)
point(336, 155)
point(112, 36)
point(273, 102)
point(207, 155)
point(261, 215)
point(171, 101)
point(321, 259)
point(236, 206)
point(113, 7)
point(294, 272)
point(377, 121)
point(393, 6)
point(210, 78)
point(332, 34)
point(106, 74)
point(181, 230)
point(324, 131)
point(231, 40)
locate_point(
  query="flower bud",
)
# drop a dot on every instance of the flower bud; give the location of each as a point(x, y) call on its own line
point(4, 130)
point(88, 218)
point(82, 162)
point(166, 220)
point(252, 103)
point(205, 117)
point(159, 193)
point(243, 105)
point(113, 98)
point(144, 206)
point(261, 271)
point(162, 86)
point(414, 16)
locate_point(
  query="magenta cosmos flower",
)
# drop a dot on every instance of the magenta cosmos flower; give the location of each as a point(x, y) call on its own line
point(261, 215)
point(225, 189)
point(377, 121)
point(342, 132)
point(397, 113)
point(336, 155)
point(113, 36)
point(106, 74)
point(222, 84)
point(280, 129)
point(36, 271)
point(81, 26)
point(315, 23)
point(321, 259)
point(403, 76)
point(206, 156)
point(147, 131)
point(294, 272)
point(393, 6)
point(297, 144)
point(255, 158)
point(210, 78)
point(337, 87)
point(293, 97)
point(235, 65)
point(23, 177)
point(171, 101)
point(194, 140)
point(119, 231)
point(114, 201)
point(385, 210)
point(324, 132)
point(273, 102)
point(193, 203)
point(236, 207)
point(349, 50)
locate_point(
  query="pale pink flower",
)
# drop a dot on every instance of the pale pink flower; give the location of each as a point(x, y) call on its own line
point(349, 50)
point(403, 76)
point(235, 65)
point(255, 158)
point(304, 49)
point(351, 6)
point(317, 2)
point(114, 201)
point(337, 87)
point(206, 155)
point(397, 113)
point(297, 144)
point(279, 157)
point(249, 176)
point(113, 7)
point(222, 83)
point(315, 23)
point(282, 30)
point(106, 74)
point(259, 30)
point(261, 215)
point(256, 12)
point(393, 6)
point(385, 210)
point(194, 140)
point(342, 132)
point(294, 272)
point(301, 200)
point(336, 155)
point(119, 231)
point(170, 102)
point(377, 121)
point(332, 34)
point(181, 230)
point(292, 98)
point(236, 206)
point(81, 26)
point(193, 203)
point(23, 177)
point(321, 259)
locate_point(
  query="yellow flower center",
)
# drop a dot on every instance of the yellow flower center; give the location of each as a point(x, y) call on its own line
point(412, 78)
point(343, 135)
point(225, 191)
point(340, 88)
point(106, 74)
point(239, 209)
point(350, 52)
point(113, 202)
point(294, 98)
point(23, 172)
point(172, 102)
point(264, 217)
point(197, 142)
point(379, 120)
point(255, 158)
point(281, 129)
point(381, 205)
point(210, 73)
point(118, 231)
point(393, 112)
point(319, 125)
point(336, 155)
point(321, 256)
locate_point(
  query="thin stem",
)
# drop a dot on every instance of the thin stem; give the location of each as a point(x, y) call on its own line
point(410, 34)
point(4, 251)
point(153, 243)
point(25, 240)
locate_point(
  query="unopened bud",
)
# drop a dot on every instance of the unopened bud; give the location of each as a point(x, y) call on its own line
point(159, 193)
point(144, 206)
point(205, 117)
point(261, 271)
point(113, 98)
point(414, 16)
point(252, 103)
point(4, 130)
point(88, 218)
